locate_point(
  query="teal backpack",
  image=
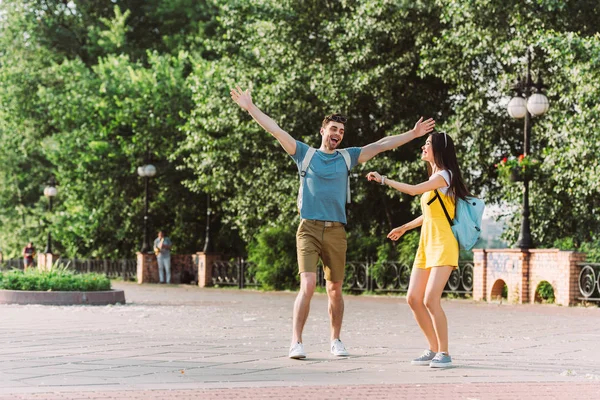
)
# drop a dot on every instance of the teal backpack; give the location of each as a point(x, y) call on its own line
point(466, 224)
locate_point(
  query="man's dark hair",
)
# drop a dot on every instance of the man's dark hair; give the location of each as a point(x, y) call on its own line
point(334, 118)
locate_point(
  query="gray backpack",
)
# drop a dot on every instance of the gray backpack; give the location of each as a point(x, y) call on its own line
point(304, 167)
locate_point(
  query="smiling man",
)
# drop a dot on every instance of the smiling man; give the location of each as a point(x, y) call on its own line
point(322, 203)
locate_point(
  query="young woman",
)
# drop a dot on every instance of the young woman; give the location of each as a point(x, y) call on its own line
point(437, 254)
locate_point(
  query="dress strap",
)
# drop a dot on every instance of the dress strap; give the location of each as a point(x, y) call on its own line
point(437, 196)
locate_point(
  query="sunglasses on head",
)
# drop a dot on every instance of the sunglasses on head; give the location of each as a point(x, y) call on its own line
point(337, 118)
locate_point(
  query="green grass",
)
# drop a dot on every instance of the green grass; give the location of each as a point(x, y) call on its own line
point(56, 280)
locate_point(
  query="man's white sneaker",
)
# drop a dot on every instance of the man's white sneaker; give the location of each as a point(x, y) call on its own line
point(338, 349)
point(297, 351)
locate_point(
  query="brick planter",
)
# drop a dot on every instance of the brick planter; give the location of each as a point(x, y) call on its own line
point(185, 268)
point(99, 298)
point(523, 270)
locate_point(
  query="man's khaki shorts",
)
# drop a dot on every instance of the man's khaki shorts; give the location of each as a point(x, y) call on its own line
point(325, 240)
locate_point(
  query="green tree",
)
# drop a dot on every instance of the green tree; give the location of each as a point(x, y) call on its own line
point(307, 59)
point(83, 94)
point(480, 51)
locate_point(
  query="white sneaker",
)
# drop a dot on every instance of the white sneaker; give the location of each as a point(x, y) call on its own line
point(338, 349)
point(297, 351)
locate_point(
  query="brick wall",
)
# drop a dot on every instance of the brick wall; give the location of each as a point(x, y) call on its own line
point(523, 270)
point(184, 268)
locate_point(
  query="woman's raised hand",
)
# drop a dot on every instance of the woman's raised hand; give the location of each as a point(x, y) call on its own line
point(374, 176)
point(396, 233)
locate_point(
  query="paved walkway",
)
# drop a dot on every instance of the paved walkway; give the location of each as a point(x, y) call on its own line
point(181, 342)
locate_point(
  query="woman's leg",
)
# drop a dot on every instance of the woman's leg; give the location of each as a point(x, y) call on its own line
point(415, 296)
point(433, 301)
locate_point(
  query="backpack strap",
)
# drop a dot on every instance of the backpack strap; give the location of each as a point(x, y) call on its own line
point(437, 196)
point(348, 161)
point(303, 168)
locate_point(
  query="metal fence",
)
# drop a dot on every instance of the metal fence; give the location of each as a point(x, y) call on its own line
point(236, 272)
point(361, 276)
point(589, 281)
point(15, 263)
point(124, 268)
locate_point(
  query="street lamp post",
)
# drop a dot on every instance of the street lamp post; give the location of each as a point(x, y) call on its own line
point(208, 247)
point(529, 101)
point(50, 192)
point(146, 171)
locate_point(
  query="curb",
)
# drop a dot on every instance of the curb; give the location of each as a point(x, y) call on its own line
point(99, 298)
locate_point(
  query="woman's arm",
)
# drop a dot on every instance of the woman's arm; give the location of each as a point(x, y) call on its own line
point(397, 233)
point(435, 183)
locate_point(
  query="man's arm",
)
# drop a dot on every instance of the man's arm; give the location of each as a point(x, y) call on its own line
point(391, 142)
point(244, 100)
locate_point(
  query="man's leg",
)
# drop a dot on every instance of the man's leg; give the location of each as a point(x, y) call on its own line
point(161, 267)
point(308, 282)
point(308, 247)
point(336, 307)
point(334, 265)
point(167, 263)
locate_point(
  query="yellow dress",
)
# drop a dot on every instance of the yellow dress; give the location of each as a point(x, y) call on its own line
point(437, 245)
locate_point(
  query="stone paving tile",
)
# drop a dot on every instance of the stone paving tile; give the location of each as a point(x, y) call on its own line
point(190, 340)
point(472, 391)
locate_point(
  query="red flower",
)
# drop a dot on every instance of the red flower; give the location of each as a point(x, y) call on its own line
point(521, 157)
point(504, 160)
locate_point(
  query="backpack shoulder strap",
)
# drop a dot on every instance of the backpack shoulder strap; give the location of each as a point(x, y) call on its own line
point(303, 168)
point(437, 196)
point(348, 161)
point(346, 155)
point(306, 160)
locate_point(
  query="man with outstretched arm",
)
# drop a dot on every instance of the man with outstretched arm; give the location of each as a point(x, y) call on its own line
point(322, 203)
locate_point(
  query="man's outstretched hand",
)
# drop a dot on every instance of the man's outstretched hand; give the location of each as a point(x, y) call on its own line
point(241, 97)
point(423, 127)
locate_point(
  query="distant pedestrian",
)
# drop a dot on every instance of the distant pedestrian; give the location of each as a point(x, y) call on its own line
point(162, 249)
point(438, 251)
point(28, 255)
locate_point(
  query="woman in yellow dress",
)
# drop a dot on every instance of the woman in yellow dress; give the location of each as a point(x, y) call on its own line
point(437, 254)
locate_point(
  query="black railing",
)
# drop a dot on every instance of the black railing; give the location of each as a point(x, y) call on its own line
point(589, 281)
point(361, 276)
point(124, 268)
point(15, 263)
point(233, 273)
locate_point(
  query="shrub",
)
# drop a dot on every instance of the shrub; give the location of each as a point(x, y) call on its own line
point(54, 280)
point(378, 271)
point(591, 248)
point(407, 247)
point(273, 252)
point(545, 292)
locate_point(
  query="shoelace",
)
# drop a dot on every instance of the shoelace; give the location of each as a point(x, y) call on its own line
point(426, 354)
point(338, 345)
point(439, 356)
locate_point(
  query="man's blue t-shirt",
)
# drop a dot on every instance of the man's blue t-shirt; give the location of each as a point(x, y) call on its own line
point(324, 193)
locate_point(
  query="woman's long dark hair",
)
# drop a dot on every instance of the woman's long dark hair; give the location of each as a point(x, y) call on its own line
point(444, 156)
